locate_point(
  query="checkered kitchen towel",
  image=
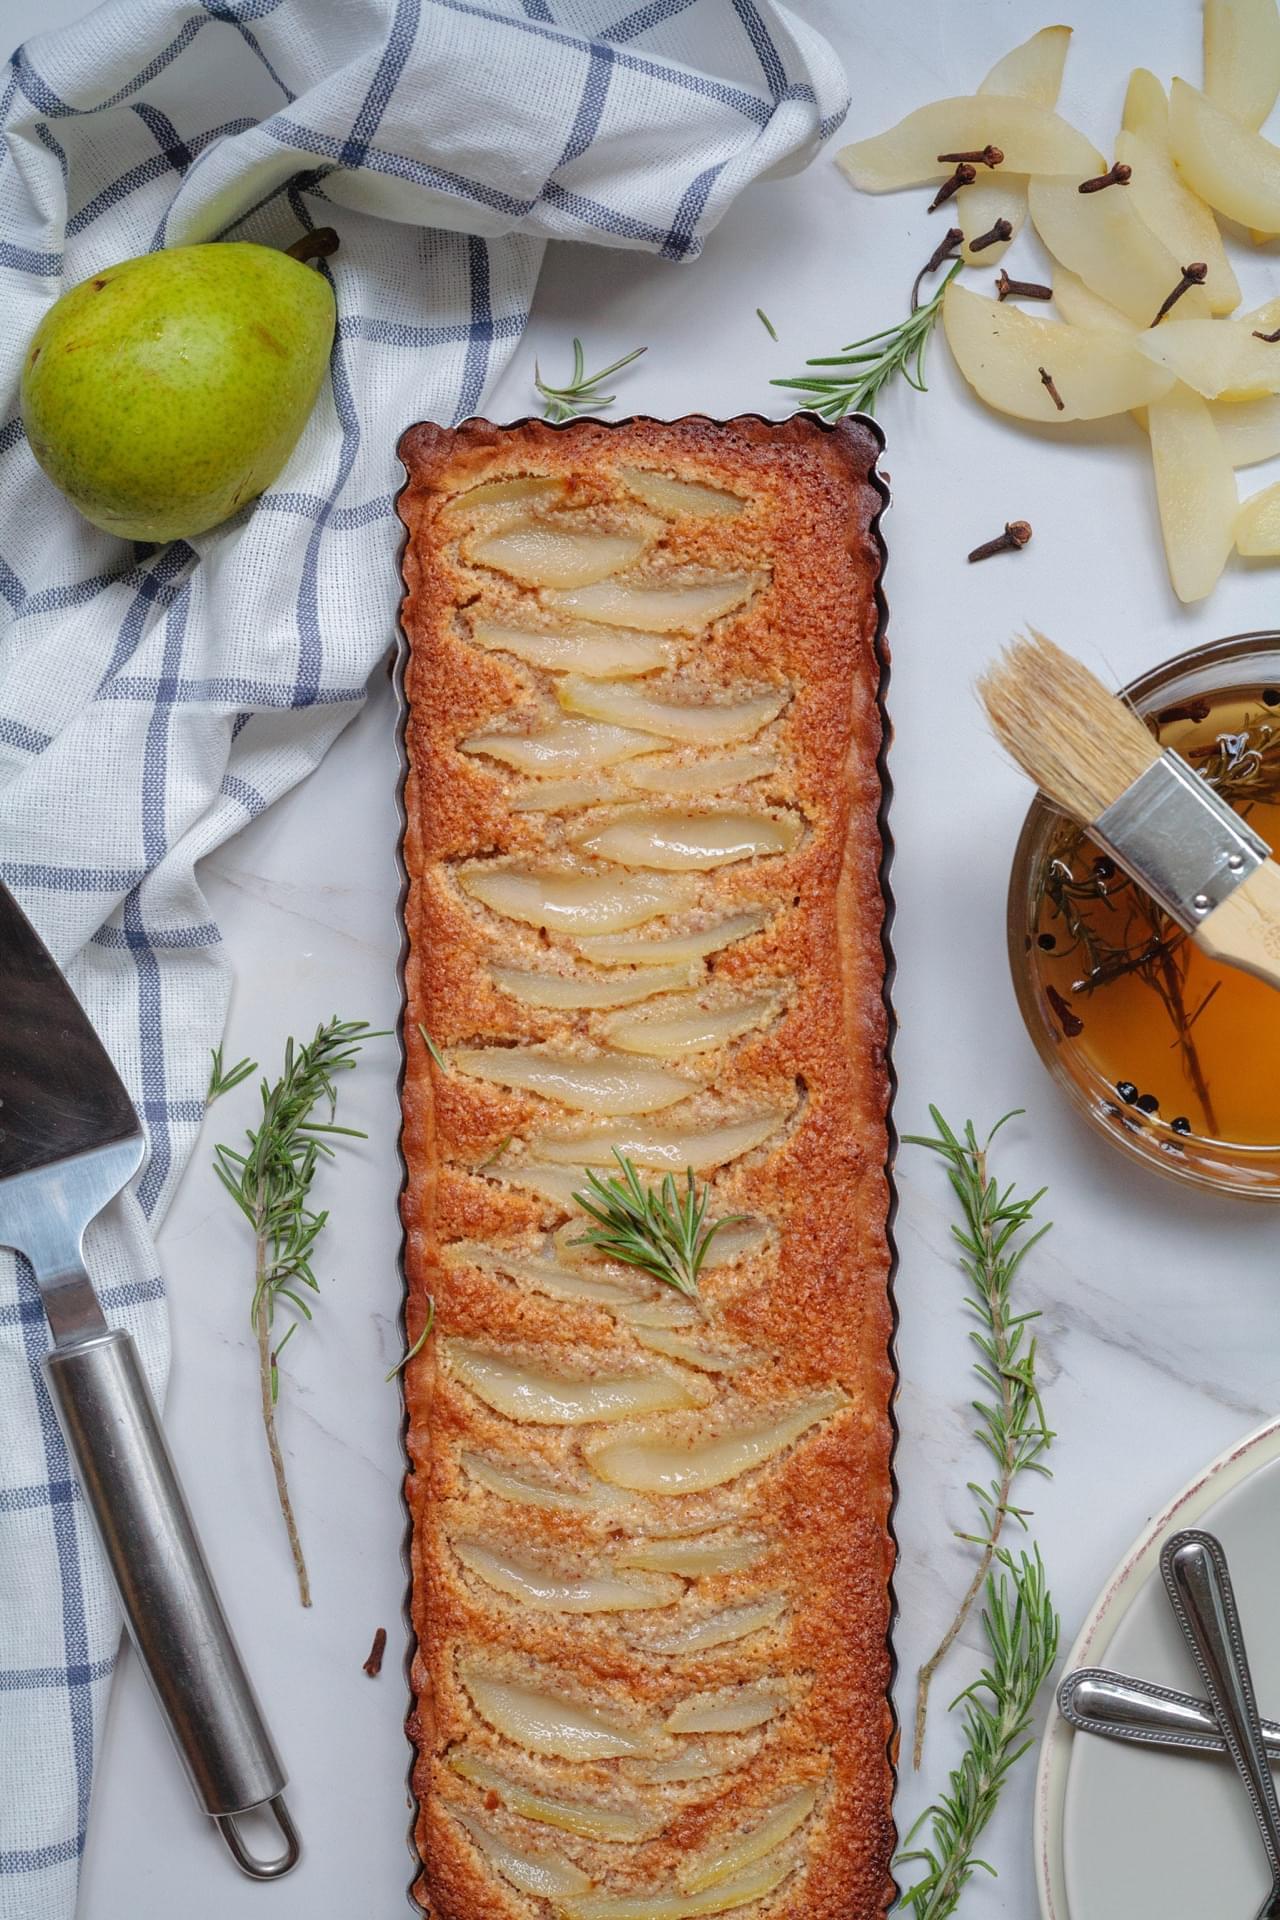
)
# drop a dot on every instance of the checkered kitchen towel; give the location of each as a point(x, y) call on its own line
point(154, 700)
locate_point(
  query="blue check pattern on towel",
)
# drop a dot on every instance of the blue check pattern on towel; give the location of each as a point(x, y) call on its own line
point(154, 700)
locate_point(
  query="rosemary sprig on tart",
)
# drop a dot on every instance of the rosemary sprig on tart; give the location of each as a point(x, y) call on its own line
point(662, 1230)
point(271, 1185)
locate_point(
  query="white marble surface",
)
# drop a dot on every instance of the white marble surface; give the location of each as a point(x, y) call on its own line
point(1159, 1306)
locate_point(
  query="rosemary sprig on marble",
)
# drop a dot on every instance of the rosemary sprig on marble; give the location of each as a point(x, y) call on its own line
point(580, 393)
point(222, 1079)
point(868, 366)
point(1021, 1629)
point(271, 1185)
point(994, 1236)
point(662, 1230)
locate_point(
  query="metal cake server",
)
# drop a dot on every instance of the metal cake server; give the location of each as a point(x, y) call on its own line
point(69, 1141)
point(1198, 1582)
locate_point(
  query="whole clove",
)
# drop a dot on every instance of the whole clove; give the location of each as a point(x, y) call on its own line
point(1002, 230)
point(1193, 276)
point(1015, 536)
point(1020, 289)
point(1117, 175)
point(373, 1665)
point(988, 156)
point(964, 176)
point(1270, 338)
point(945, 250)
point(1046, 381)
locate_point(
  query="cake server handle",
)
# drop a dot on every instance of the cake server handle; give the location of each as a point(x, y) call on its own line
point(171, 1606)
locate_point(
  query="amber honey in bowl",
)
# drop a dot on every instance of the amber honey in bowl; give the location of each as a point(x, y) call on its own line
point(1177, 1056)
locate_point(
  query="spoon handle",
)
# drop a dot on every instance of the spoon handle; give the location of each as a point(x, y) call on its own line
point(1198, 1582)
point(1120, 1707)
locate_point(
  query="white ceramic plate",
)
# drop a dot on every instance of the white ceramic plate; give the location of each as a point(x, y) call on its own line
point(1122, 1832)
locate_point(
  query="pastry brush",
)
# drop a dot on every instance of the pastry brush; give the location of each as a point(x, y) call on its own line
point(1165, 825)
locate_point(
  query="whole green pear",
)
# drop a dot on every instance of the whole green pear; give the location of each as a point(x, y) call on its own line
point(163, 393)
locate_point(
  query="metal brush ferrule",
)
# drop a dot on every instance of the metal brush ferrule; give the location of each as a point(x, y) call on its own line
point(1180, 840)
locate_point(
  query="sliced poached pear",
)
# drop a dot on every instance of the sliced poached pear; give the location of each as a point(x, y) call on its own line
point(674, 949)
point(530, 1581)
point(682, 1025)
point(719, 1630)
point(601, 1083)
point(544, 1720)
point(525, 1391)
point(595, 652)
point(694, 1559)
point(578, 1817)
point(561, 747)
point(692, 722)
point(666, 774)
point(687, 842)
point(728, 1712)
point(540, 555)
point(655, 607)
point(505, 499)
point(668, 495)
point(541, 1875)
point(675, 1346)
point(569, 991)
point(546, 1276)
point(507, 1484)
point(712, 1869)
point(669, 1149)
point(562, 796)
point(556, 1185)
point(749, 1887)
point(585, 904)
point(659, 1461)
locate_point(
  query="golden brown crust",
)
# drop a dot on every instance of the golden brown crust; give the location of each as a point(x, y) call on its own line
point(816, 1311)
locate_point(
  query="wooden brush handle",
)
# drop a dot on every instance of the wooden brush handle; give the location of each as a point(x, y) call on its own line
point(1245, 930)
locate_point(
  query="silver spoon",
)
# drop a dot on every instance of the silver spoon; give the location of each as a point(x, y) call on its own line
point(1198, 1582)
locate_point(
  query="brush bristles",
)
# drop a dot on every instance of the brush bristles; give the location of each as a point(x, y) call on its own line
point(1080, 744)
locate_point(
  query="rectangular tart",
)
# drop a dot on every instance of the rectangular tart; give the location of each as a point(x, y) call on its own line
point(651, 1546)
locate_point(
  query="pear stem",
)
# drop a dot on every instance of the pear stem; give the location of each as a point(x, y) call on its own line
point(314, 246)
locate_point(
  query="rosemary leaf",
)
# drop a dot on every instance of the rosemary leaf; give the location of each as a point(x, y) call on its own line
point(661, 1230)
point(432, 1048)
point(222, 1079)
point(271, 1184)
point(580, 393)
point(419, 1343)
point(873, 362)
point(766, 323)
point(1021, 1630)
point(994, 1237)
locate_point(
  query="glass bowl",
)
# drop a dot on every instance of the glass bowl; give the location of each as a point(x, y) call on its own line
point(1241, 661)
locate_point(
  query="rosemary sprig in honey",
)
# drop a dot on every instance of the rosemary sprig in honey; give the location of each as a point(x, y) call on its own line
point(871, 364)
point(580, 393)
point(994, 1237)
point(271, 1184)
point(662, 1230)
point(1144, 942)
